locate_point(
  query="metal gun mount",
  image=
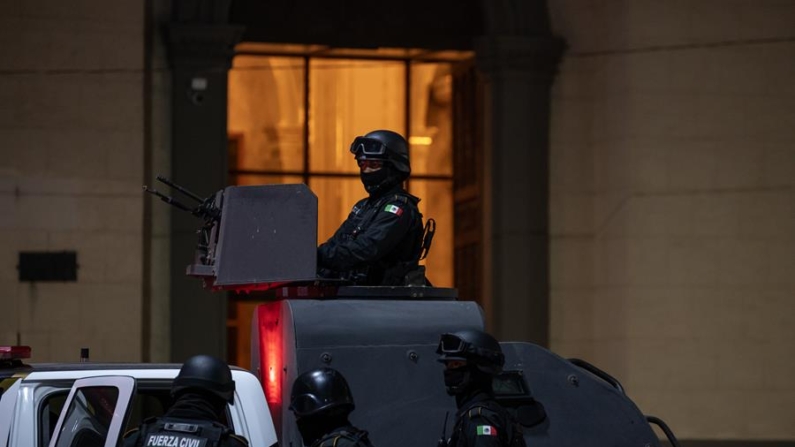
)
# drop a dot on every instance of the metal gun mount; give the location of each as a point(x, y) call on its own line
point(253, 237)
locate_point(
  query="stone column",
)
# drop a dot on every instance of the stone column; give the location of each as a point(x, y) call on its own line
point(201, 47)
point(518, 71)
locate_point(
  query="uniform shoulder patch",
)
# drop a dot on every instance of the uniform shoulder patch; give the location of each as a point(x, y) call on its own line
point(487, 430)
point(394, 209)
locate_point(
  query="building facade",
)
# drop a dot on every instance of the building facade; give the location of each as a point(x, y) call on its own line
point(629, 165)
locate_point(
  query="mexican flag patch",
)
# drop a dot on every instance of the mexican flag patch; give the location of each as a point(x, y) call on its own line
point(487, 430)
point(393, 209)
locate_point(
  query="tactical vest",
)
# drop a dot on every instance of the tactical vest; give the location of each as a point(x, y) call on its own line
point(185, 433)
point(388, 271)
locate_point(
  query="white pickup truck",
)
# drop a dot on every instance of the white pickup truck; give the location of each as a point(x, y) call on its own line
point(94, 404)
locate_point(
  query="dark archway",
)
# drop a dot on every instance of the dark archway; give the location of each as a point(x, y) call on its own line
point(438, 24)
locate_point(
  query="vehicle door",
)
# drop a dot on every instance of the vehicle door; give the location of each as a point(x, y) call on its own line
point(95, 412)
point(8, 398)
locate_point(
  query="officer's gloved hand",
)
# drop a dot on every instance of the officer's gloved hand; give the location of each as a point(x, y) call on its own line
point(328, 275)
point(416, 277)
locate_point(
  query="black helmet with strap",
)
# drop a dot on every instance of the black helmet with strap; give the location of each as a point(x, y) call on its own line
point(473, 346)
point(384, 145)
point(321, 390)
point(205, 373)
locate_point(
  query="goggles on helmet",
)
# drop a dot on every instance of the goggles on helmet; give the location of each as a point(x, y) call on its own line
point(452, 344)
point(367, 146)
point(305, 404)
point(453, 347)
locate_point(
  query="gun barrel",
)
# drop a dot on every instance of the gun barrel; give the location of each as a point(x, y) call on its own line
point(180, 189)
point(167, 199)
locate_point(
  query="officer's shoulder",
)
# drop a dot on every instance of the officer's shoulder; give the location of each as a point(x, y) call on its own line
point(402, 197)
point(144, 423)
point(400, 200)
point(482, 412)
point(344, 438)
point(339, 440)
point(237, 440)
point(131, 432)
point(131, 437)
point(327, 441)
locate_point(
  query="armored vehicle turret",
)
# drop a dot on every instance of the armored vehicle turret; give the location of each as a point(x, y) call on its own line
point(384, 339)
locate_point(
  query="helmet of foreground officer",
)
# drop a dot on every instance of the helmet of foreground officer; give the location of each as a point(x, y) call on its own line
point(321, 401)
point(383, 159)
point(208, 377)
point(472, 359)
point(201, 391)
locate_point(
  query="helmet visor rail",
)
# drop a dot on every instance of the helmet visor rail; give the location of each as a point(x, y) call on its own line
point(367, 146)
point(452, 344)
point(305, 404)
point(454, 347)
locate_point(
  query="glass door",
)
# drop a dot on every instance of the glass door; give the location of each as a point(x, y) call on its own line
point(292, 119)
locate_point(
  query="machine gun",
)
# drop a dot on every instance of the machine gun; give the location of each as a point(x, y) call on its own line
point(206, 210)
point(268, 233)
point(209, 210)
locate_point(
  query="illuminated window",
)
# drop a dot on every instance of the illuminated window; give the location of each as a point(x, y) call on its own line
point(294, 110)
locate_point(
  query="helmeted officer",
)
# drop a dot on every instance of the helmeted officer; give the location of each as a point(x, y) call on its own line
point(201, 390)
point(381, 240)
point(321, 401)
point(472, 358)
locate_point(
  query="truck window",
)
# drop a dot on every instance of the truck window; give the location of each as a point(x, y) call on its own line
point(147, 403)
point(88, 418)
point(49, 410)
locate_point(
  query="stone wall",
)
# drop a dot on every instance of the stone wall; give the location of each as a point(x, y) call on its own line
point(673, 207)
point(71, 168)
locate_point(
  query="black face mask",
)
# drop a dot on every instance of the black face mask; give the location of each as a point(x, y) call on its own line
point(373, 180)
point(310, 430)
point(314, 427)
point(456, 380)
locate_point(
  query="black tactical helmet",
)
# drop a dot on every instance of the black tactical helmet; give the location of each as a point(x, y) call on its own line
point(384, 145)
point(205, 373)
point(475, 347)
point(319, 391)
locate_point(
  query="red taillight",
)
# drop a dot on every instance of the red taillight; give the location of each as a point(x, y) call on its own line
point(271, 351)
point(14, 352)
point(270, 345)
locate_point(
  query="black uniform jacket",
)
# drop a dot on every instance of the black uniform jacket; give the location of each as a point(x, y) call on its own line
point(344, 437)
point(381, 239)
point(482, 422)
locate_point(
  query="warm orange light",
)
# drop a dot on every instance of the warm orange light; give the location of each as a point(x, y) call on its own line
point(420, 141)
